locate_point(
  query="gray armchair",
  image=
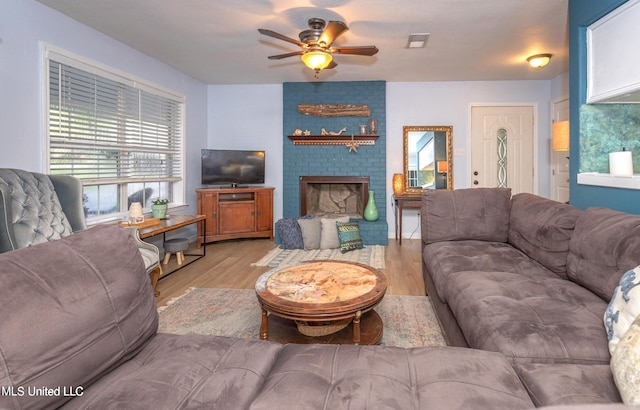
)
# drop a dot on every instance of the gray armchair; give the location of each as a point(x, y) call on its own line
point(37, 208)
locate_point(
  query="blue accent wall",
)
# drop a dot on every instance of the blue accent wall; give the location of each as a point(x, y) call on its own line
point(582, 13)
point(336, 160)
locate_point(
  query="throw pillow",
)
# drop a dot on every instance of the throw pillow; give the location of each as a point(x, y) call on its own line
point(625, 365)
point(349, 234)
point(624, 307)
point(329, 232)
point(310, 232)
point(290, 233)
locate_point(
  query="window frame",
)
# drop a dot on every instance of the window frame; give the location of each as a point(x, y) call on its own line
point(178, 188)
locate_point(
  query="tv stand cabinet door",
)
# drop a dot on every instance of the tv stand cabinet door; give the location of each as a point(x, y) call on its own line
point(236, 217)
point(208, 206)
point(264, 210)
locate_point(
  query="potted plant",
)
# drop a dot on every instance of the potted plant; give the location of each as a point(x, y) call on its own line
point(159, 208)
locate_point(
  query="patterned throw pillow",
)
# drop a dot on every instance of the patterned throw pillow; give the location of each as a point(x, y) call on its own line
point(289, 233)
point(349, 234)
point(625, 365)
point(624, 307)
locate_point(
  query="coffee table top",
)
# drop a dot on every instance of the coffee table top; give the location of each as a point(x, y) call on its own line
point(321, 289)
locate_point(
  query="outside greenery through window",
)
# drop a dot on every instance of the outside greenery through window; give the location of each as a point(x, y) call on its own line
point(123, 139)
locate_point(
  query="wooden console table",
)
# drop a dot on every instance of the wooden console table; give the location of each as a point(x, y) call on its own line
point(406, 200)
point(169, 224)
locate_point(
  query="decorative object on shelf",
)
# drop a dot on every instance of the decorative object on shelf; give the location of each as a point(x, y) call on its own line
point(373, 126)
point(398, 184)
point(371, 210)
point(297, 132)
point(363, 129)
point(353, 145)
point(621, 163)
point(135, 213)
point(159, 208)
point(560, 136)
point(325, 132)
point(334, 110)
point(306, 133)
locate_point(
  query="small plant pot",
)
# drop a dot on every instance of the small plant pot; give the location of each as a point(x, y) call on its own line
point(159, 211)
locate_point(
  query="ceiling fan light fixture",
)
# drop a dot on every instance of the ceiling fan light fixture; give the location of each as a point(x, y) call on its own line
point(417, 40)
point(316, 60)
point(539, 60)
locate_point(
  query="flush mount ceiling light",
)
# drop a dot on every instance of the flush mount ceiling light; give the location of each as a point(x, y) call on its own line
point(417, 40)
point(539, 60)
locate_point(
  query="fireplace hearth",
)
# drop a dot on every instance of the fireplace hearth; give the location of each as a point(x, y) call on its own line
point(333, 195)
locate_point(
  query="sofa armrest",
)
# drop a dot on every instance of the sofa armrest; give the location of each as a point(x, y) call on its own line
point(69, 191)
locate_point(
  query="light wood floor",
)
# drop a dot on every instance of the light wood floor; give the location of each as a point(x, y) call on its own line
point(228, 265)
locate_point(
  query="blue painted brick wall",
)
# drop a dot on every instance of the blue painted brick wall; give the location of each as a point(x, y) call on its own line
point(336, 160)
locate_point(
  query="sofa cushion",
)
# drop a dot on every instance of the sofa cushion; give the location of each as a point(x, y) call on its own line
point(360, 377)
point(604, 245)
point(623, 308)
point(289, 233)
point(186, 372)
point(72, 310)
point(542, 228)
point(566, 384)
point(462, 214)
point(35, 207)
point(310, 232)
point(329, 232)
point(543, 320)
point(625, 365)
point(443, 259)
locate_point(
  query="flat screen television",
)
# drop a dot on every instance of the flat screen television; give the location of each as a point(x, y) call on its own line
point(232, 167)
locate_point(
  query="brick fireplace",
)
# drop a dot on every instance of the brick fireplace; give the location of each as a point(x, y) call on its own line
point(369, 162)
point(333, 195)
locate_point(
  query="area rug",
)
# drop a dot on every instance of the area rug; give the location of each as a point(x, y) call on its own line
point(372, 255)
point(409, 321)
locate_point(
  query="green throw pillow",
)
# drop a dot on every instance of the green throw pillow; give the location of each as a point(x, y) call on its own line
point(349, 234)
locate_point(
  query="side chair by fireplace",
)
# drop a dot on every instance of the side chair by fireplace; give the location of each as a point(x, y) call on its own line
point(37, 208)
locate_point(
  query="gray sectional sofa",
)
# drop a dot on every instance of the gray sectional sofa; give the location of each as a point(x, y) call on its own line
point(529, 278)
point(79, 330)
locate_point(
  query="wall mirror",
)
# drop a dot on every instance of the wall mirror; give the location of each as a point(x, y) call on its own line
point(428, 160)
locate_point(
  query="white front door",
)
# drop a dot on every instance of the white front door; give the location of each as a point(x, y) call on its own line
point(502, 147)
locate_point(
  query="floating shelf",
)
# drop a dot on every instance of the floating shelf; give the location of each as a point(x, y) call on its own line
point(333, 139)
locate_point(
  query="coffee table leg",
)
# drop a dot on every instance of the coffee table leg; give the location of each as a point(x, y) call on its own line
point(356, 328)
point(264, 325)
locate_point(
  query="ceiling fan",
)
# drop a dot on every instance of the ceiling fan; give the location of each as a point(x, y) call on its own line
point(316, 50)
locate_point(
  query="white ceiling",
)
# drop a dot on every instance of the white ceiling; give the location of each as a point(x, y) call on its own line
point(217, 42)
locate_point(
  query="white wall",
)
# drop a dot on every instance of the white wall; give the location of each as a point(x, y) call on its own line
point(26, 24)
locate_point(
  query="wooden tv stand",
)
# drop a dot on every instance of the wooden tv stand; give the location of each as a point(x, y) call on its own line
point(233, 213)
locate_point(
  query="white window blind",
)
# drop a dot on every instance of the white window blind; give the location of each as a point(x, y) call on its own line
point(112, 131)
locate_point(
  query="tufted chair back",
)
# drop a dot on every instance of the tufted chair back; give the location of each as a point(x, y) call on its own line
point(37, 208)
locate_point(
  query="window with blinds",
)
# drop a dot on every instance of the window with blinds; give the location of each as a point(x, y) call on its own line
point(121, 137)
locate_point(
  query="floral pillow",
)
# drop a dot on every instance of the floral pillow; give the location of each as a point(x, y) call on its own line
point(624, 307)
point(625, 365)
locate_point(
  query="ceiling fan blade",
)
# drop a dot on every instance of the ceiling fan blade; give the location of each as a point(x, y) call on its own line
point(280, 56)
point(357, 50)
point(333, 30)
point(331, 65)
point(279, 36)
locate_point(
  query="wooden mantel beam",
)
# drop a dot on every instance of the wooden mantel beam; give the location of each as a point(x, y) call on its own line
point(334, 110)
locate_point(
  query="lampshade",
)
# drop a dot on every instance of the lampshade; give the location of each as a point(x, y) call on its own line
point(442, 167)
point(316, 60)
point(539, 60)
point(398, 184)
point(560, 136)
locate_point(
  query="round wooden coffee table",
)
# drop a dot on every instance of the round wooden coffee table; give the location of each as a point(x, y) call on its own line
point(323, 298)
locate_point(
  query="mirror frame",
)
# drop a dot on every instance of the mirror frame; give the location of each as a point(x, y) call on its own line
point(448, 130)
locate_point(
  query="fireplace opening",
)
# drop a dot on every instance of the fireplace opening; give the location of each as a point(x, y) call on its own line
point(333, 195)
